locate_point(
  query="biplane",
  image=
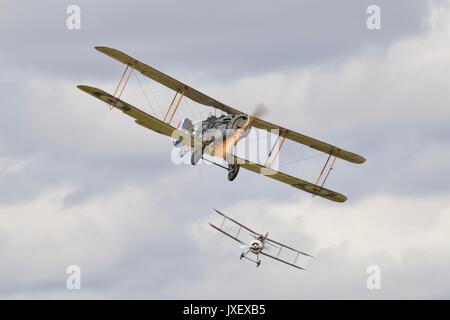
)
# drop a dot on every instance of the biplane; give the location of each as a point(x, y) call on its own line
point(260, 244)
point(218, 135)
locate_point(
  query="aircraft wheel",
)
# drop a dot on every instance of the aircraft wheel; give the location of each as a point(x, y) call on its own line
point(233, 170)
point(195, 156)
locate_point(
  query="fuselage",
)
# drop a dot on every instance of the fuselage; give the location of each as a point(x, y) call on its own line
point(219, 129)
point(215, 131)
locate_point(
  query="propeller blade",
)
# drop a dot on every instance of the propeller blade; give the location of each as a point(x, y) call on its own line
point(259, 111)
point(224, 147)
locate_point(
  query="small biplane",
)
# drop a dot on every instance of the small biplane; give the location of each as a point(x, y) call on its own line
point(218, 135)
point(261, 244)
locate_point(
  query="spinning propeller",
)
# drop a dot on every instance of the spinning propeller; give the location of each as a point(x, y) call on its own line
point(224, 147)
point(261, 238)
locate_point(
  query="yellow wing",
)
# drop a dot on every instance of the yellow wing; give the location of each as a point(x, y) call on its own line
point(201, 98)
point(292, 181)
point(166, 80)
point(152, 123)
point(310, 142)
point(142, 118)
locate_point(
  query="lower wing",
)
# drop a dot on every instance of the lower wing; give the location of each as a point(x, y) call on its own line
point(142, 118)
point(292, 181)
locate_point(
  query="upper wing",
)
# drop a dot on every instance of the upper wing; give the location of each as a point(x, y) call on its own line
point(166, 80)
point(239, 224)
point(226, 233)
point(294, 182)
point(202, 98)
point(311, 142)
point(141, 117)
point(290, 248)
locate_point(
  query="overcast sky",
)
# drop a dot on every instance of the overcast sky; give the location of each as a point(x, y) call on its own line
point(83, 185)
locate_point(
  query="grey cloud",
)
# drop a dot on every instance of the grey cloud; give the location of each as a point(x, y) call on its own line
point(219, 39)
point(314, 65)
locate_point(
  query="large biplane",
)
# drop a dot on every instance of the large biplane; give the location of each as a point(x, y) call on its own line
point(260, 244)
point(218, 135)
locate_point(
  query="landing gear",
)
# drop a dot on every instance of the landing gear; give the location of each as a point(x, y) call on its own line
point(196, 156)
point(257, 261)
point(233, 170)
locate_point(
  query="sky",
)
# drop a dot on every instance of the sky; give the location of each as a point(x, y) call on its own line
point(83, 185)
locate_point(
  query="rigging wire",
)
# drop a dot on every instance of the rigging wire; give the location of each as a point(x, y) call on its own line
point(302, 159)
point(190, 109)
point(320, 154)
point(143, 91)
point(155, 97)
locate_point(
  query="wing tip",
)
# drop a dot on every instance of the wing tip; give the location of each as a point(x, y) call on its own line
point(88, 89)
point(349, 156)
point(102, 48)
point(84, 88)
point(115, 54)
point(336, 197)
point(360, 159)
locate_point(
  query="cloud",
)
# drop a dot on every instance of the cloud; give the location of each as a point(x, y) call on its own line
point(83, 185)
point(77, 121)
point(44, 235)
point(227, 39)
point(13, 166)
point(403, 236)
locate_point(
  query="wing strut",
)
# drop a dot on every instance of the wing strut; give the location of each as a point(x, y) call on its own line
point(168, 121)
point(280, 145)
point(296, 257)
point(239, 231)
point(271, 150)
point(279, 149)
point(122, 83)
point(325, 172)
